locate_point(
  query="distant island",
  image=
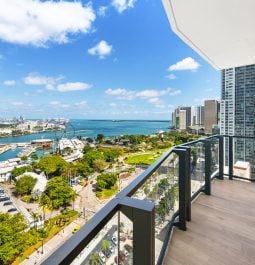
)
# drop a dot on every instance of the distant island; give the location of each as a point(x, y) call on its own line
point(20, 126)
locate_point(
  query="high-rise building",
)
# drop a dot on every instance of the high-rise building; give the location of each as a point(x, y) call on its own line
point(237, 116)
point(210, 115)
point(181, 118)
point(199, 116)
point(188, 115)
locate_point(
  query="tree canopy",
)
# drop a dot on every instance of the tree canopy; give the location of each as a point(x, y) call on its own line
point(53, 165)
point(13, 239)
point(59, 192)
point(83, 168)
point(21, 170)
point(106, 181)
point(24, 185)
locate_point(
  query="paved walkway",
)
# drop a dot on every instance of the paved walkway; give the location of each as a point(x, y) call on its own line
point(37, 257)
point(86, 198)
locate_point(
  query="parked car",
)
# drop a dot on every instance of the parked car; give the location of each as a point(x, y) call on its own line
point(2, 199)
point(107, 253)
point(12, 210)
point(7, 203)
point(128, 248)
point(102, 257)
point(126, 253)
point(77, 228)
point(111, 248)
point(114, 240)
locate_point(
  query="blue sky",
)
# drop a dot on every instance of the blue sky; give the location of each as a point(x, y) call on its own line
point(112, 59)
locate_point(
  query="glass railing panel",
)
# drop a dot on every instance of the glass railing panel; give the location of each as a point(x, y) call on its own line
point(115, 237)
point(162, 189)
point(244, 157)
point(226, 156)
point(125, 241)
point(214, 155)
point(197, 166)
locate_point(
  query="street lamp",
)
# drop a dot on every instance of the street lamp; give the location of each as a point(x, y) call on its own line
point(42, 246)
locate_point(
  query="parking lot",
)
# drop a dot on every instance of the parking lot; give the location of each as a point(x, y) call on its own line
point(96, 249)
point(110, 256)
point(6, 204)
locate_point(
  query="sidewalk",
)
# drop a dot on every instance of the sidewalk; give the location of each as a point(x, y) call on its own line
point(37, 257)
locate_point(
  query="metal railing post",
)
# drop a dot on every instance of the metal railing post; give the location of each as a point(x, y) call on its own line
point(230, 157)
point(208, 162)
point(142, 213)
point(182, 188)
point(221, 157)
point(188, 184)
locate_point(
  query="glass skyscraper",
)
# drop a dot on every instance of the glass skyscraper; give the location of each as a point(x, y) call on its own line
point(237, 115)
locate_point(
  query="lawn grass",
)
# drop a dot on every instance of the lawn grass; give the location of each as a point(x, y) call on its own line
point(106, 194)
point(144, 159)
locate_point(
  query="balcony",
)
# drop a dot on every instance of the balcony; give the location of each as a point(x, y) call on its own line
point(192, 206)
point(222, 228)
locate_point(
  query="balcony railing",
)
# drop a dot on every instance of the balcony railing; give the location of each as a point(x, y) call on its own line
point(138, 222)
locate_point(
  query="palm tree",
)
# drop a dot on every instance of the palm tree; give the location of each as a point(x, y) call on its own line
point(45, 202)
point(35, 219)
point(105, 245)
point(94, 258)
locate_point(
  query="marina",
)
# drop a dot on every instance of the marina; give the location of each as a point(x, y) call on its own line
point(11, 146)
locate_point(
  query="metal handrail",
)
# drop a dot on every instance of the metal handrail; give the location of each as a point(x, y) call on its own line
point(124, 202)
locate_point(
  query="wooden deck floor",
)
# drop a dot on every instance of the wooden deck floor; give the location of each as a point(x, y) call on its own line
point(222, 230)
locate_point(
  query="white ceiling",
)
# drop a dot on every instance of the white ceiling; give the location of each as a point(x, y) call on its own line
point(221, 31)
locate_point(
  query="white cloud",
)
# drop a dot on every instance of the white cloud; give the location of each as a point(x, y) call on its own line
point(75, 86)
point(17, 103)
point(157, 103)
point(148, 94)
point(153, 93)
point(35, 79)
point(53, 83)
point(58, 104)
point(102, 11)
point(81, 104)
point(9, 82)
point(122, 5)
point(171, 76)
point(118, 92)
point(38, 22)
point(102, 49)
point(154, 100)
point(175, 92)
point(185, 64)
point(112, 104)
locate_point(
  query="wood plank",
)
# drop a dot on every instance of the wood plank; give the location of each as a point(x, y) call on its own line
point(222, 230)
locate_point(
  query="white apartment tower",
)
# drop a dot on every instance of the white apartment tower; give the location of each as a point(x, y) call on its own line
point(199, 115)
point(237, 115)
point(227, 104)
